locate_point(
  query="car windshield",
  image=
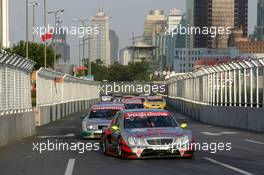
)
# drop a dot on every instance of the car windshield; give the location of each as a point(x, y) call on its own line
point(149, 122)
point(102, 114)
point(134, 106)
point(155, 100)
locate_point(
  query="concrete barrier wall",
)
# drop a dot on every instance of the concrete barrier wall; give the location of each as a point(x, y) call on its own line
point(234, 117)
point(16, 126)
point(48, 114)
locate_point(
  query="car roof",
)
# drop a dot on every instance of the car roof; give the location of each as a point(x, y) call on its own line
point(131, 101)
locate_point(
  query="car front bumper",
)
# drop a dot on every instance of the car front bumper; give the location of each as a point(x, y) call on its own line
point(154, 152)
point(91, 134)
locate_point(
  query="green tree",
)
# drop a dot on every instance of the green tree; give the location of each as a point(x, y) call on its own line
point(35, 53)
point(118, 72)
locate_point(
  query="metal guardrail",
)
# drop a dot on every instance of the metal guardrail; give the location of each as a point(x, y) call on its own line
point(55, 88)
point(15, 87)
point(239, 83)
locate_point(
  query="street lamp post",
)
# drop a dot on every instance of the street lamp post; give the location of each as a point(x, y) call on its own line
point(34, 5)
point(45, 25)
point(26, 28)
point(54, 33)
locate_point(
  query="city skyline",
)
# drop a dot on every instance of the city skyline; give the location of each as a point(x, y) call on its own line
point(119, 18)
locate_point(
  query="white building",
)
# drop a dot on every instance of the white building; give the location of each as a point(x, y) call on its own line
point(174, 19)
point(125, 56)
point(185, 58)
point(100, 43)
point(4, 24)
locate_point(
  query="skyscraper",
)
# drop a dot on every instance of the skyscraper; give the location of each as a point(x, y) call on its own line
point(100, 43)
point(155, 23)
point(216, 13)
point(62, 48)
point(114, 44)
point(174, 19)
point(260, 21)
point(189, 21)
point(4, 24)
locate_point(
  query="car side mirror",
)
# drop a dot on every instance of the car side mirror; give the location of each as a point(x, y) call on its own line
point(82, 117)
point(184, 125)
point(115, 128)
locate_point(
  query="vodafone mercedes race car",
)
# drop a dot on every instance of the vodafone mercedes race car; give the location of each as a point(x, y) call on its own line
point(146, 133)
point(99, 117)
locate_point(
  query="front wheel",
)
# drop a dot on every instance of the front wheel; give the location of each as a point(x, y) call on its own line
point(104, 149)
point(119, 149)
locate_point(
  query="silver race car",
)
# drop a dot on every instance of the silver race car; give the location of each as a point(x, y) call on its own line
point(146, 133)
point(99, 117)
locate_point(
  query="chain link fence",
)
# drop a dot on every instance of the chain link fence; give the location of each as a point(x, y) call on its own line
point(15, 85)
point(239, 83)
point(55, 88)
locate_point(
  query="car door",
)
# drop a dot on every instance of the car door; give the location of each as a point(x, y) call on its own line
point(116, 133)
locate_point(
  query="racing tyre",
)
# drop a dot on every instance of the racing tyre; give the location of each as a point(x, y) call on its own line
point(119, 150)
point(104, 149)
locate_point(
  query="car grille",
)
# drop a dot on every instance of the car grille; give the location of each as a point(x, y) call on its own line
point(159, 141)
point(102, 126)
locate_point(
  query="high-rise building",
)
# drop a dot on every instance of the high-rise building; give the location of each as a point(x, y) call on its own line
point(174, 20)
point(125, 56)
point(62, 48)
point(260, 21)
point(100, 43)
point(4, 24)
point(155, 23)
point(189, 21)
point(216, 13)
point(114, 44)
point(241, 15)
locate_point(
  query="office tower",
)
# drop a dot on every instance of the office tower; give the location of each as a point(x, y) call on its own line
point(114, 44)
point(241, 16)
point(216, 13)
point(155, 23)
point(174, 20)
point(100, 43)
point(4, 24)
point(189, 21)
point(260, 21)
point(62, 48)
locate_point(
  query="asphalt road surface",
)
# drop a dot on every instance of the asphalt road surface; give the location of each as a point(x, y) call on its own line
point(21, 158)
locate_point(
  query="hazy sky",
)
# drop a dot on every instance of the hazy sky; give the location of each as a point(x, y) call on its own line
point(127, 16)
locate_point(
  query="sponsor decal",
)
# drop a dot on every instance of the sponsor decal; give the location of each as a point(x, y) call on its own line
point(107, 108)
point(146, 114)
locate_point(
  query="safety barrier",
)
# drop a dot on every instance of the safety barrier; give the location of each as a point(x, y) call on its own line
point(16, 115)
point(59, 95)
point(229, 94)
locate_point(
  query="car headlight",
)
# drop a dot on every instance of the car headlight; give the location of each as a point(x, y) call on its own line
point(132, 140)
point(84, 128)
point(182, 140)
point(91, 127)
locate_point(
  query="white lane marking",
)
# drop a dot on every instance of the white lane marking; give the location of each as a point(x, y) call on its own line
point(228, 166)
point(218, 134)
point(248, 149)
point(56, 136)
point(253, 141)
point(70, 166)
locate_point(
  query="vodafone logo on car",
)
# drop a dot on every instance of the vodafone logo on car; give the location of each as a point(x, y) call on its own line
point(146, 114)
